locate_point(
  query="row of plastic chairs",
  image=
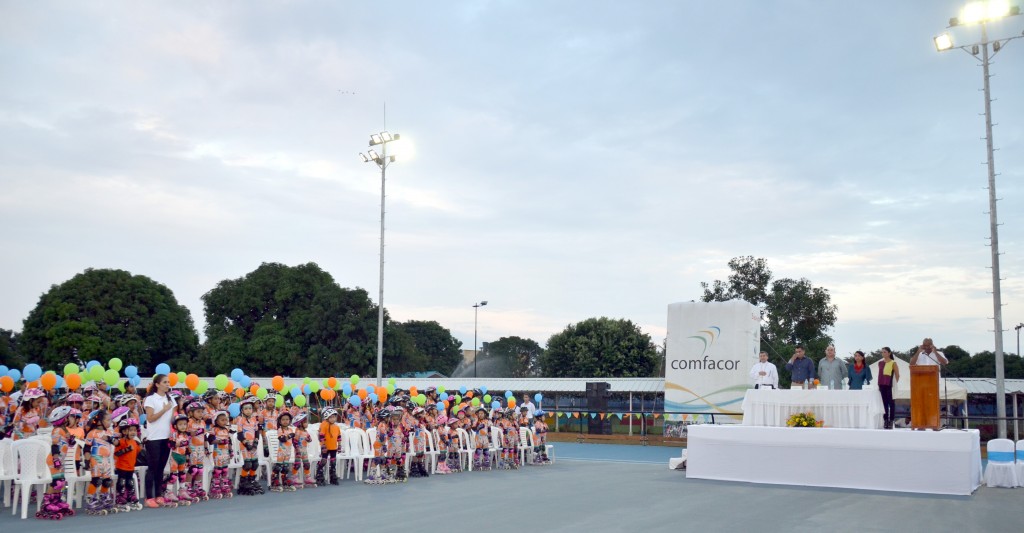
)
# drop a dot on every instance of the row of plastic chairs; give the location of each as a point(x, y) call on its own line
point(1005, 463)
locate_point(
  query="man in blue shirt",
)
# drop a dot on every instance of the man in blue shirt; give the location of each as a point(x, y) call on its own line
point(801, 368)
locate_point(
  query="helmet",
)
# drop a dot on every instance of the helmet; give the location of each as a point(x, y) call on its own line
point(397, 411)
point(329, 412)
point(32, 394)
point(431, 389)
point(89, 387)
point(127, 423)
point(271, 396)
point(178, 418)
point(119, 414)
point(430, 407)
point(125, 399)
point(210, 394)
point(248, 400)
point(58, 415)
point(95, 399)
point(538, 413)
point(75, 412)
point(74, 397)
point(286, 413)
point(176, 393)
point(218, 415)
point(223, 395)
point(418, 411)
point(96, 415)
point(300, 418)
point(194, 404)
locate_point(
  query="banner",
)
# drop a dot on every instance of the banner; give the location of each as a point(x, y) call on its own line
point(711, 347)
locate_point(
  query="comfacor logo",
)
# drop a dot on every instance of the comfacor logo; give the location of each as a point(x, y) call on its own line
point(704, 361)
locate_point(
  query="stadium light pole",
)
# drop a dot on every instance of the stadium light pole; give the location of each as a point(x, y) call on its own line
point(982, 13)
point(383, 160)
point(476, 314)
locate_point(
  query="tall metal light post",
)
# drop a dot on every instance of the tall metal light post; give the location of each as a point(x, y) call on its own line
point(476, 314)
point(982, 13)
point(383, 160)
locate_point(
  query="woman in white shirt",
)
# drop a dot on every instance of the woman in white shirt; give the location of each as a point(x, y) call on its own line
point(159, 412)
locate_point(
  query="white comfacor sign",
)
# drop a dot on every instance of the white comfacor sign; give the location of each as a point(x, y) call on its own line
point(710, 349)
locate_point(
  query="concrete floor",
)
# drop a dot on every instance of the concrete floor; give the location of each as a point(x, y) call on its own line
point(592, 487)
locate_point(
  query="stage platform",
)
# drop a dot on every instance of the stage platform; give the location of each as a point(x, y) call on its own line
point(928, 462)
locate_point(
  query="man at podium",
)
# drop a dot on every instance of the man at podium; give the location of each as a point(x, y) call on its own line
point(928, 355)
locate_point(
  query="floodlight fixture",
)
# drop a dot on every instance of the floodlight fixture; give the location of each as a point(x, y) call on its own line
point(375, 139)
point(943, 42)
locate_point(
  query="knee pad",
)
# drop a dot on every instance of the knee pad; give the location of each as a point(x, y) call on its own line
point(107, 483)
point(96, 482)
point(305, 465)
point(195, 470)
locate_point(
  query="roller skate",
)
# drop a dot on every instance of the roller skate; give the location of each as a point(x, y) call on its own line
point(257, 487)
point(321, 473)
point(133, 500)
point(50, 509)
point(275, 484)
point(309, 483)
point(109, 503)
point(188, 494)
point(226, 489)
point(94, 506)
point(121, 502)
point(334, 474)
point(401, 476)
point(170, 500)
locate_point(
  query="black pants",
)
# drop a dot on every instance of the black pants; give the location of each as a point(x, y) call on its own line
point(887, 401)
point(157, 452)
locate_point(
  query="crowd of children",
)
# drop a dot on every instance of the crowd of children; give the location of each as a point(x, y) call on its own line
point(106, 434)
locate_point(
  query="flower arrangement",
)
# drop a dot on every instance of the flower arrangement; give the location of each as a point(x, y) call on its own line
point(804, 420)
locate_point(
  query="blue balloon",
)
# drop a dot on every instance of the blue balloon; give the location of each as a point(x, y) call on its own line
point(355, 401)
point(483, 390)
point(163, 368)
point(131, 371)
point(233, 410)
point(32, 372)
point(508, 394)
point(372, 397)
point(462, 390)
point(135, 380)
point(296, 392)
point(60, 382)
point(306, 389)
point(4, 370)
point(443, 396)
point(495, 404)
point(346, 389)
point(244, 382)
point(91, 364)
point(142, 418)
point(440, 406)
point(237, 374)
point(14, 373)
point(538, 397)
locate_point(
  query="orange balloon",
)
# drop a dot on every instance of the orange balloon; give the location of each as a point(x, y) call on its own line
point(73, 381)
point(6, 383)
point(382, 397)
point(172, 379)
point(332, 382)
point(240, 392)
point(446, 404)
point(230, 388)
point(49, 381)
point(326, 394)
point(278, 383)
point(362, 394)
point(253, 388)
point(511, 402)
point(469, 394)
point(413, 391)
point(32, 384)
point(192, 381)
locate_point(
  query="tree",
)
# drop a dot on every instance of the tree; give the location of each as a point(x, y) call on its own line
point(442, 351)
point(519, 357)
point(599, 347)
point(9, 354)
point(400, 352)
point(289, 320)
point(106, 314)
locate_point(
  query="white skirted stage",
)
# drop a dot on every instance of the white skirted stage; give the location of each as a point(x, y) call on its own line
point(932, 462)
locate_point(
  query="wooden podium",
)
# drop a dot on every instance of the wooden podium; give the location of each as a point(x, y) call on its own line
point(924, 397)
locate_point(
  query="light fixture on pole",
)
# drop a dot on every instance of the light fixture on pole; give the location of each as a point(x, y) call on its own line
point(476, 313)
point(982, 13)
point(383, 160)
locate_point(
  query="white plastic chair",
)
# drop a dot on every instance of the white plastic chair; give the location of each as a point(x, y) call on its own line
point(1020, 462)
point(432, 452)
point(74, 478)
point(347, 454)
point(30, 456)
point(497, 443)
point(359, 451)
point(8, 470)
point(465, 449)
point(236, 462)
point(525, 447)
point(368, 438)
point(1001, 470)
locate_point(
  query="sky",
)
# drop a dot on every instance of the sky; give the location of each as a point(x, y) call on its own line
point(562, 160)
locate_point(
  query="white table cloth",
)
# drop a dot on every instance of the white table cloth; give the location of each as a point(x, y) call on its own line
point(837, 408)
point(932, 462)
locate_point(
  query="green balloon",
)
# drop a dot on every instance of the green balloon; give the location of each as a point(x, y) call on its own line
point(315, 387)
point(110, 377)
point(487, 398)
point(261, 394)
point(300, 401)
point(279, 402)
point(120, 385)
point(181, 378)
point(391, 389)
point(421, 398)
point(115, 364)
point(69, 369)
point(221, 382)
point(354, 379)
point(458, 399)
point(440, 390)
point(306, 381)
point(391, 381)
point(96, 373)
point(202, 387)
point(475, 402)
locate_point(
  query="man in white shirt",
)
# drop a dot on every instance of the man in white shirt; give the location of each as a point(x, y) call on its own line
point(764, 374)
point(928, 355)
point(530, 408)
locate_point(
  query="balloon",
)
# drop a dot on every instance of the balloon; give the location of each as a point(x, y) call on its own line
point(163, 368)
point(508, 394)
point(306, 381)
point(69, 369)
point(115, 364)
point(300, 401)
point(135, 380)
point(440, 390)
point(332, 382)
point(458, 399)
point(440, 406)
point(181, 377)
point(372, 397)
point(383, 397)
point(48, 381)
point(296, 392)
point(487, 398)
point(306, 389)
point(462, 390)
point(131, 371)
point(4, 370)
point(362, 394)
point(314, 387)
point(234, 410)
point(74, 381)
point(346, 389)
point(538, 397)
point(202, 387)
point(253, 388)
point(483, 390)
point(110, 376)
point(391, 389)
point(354, 379)
point(240, 393)
point(277, 383)
point(120, 385)
point(237, 374)
point(6, 383)
point(355, 401)
point(475, 402)
point(91, 364)
point(325, 394)
point(495, 404)
point(172, 379)
point(14, 374)
point(245, 382)
point(443, 396)
point(191, 381)
point(413, 391)
point(421, 398)
point(96, 373)
point(279, 402)
point(511, 402)
point(469, 394)
point(221, 382)
point(230, 388)
point(261, 394)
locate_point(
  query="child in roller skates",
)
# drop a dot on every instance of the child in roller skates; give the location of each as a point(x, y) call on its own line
point(30, 414)
point(329, 435)
point(301, 443)
point(375, 470)
point(396, 438)
point(194, 491)
point(54, 506)
point(179, 443)
point(125, 455)
point(249, 429)
point(510, 441)
point(482, 427)
point(540, 430)
point(219, 438)
point(418, 439)
point(281, 480)
point(99, 500)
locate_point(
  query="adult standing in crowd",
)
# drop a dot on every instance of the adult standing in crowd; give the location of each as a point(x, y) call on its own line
point(888, 375)
point(530, 408)
point(802, 368)
point(860, 373)
point(764, 374)
point(928, 355)
point(831, 370)
point(159, 411)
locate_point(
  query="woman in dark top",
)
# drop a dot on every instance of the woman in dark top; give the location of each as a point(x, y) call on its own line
point(860, 373)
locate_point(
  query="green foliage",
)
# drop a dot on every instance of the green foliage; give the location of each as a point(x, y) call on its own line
point(400, 352)
point(600, 347)
point(289, 320)
point(105, 314)
point(441, 351)
point(519, 357)
point(9, 354)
